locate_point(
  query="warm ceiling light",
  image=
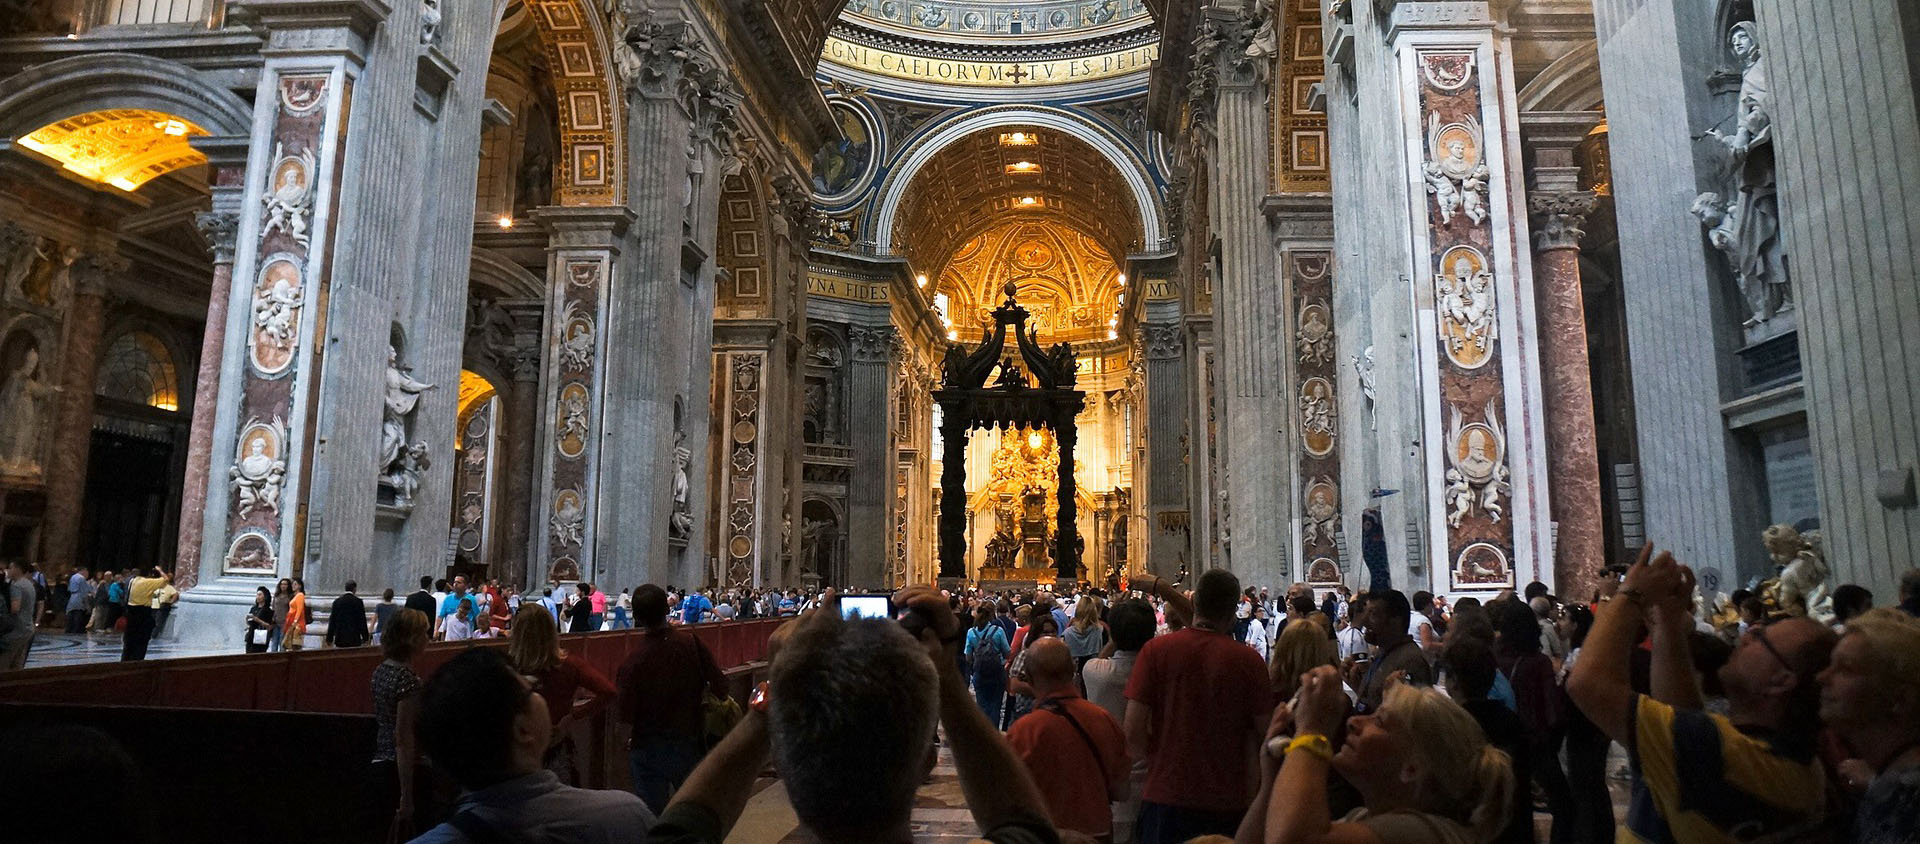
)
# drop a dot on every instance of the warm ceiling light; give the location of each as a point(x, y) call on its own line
point(1028, 200)
point(505, 221)
point(175, 128)
point(921, 279)
point(1035, 441)
point(1017, 139)
point(122, 147)
point(1123, 280)
point(1112, 334)
point(1023, 168)
point(953, 336)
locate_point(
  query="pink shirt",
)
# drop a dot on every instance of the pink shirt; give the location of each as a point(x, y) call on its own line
point(599, 602)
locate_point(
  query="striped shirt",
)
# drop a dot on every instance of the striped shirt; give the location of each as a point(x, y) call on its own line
point(1700, 780)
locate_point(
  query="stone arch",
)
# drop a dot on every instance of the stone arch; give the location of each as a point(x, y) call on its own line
point(498, 273)
point(79, 84)
point(180, 356)
point(593, 155)
point(744, 245)
point(1569, 83)
point(921, 150)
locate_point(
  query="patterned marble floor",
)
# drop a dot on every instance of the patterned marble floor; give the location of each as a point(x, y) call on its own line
point(51, 649)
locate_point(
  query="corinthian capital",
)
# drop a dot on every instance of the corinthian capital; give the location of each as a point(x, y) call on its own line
point(1558, 217)
point(871, 345)
point(221, 231)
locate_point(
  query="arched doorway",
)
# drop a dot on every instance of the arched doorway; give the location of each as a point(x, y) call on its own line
point(137, 455)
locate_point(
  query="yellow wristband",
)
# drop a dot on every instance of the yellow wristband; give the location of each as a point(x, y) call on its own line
point(1315, 744)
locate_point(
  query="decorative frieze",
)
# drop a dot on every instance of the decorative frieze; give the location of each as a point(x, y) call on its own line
point(1317, 374)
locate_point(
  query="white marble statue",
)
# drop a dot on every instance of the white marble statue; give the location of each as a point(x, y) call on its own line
point(429, 21)
point(1466, 300)
point(257, 478)
point(1457, 176)
point(680, 525)
point(1315, 340)
point(576, 340)
point(289, 201)
point(276, 313)
point(1322, 511)
point(402, 399)
point(1478, 477)
point(1363, 367)
point(405, 474)
point(1317, 414)
point(569, 522)
point(1803, 587)
point(1746, 226)
point(21, 421)
point(18, 250)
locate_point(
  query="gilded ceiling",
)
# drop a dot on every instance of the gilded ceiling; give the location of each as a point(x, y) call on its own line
point(1067, 280)
point(971, 20)
point(124, 148)
point(980, 180)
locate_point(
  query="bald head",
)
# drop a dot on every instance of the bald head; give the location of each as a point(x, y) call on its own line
point(1050, 665)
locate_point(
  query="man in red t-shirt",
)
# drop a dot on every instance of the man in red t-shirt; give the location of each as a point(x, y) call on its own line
point(1076, 750)
point(1197, 705)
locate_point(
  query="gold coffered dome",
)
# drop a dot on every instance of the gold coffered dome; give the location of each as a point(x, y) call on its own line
point(125, 148)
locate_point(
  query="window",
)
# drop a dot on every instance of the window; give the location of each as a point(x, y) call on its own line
point(138, 369)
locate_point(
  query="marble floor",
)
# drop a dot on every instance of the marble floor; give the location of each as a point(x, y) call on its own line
point(52, 648)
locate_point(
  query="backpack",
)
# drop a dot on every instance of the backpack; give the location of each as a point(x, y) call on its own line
point(987, 664)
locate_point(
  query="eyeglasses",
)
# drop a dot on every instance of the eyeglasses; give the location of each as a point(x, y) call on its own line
point(1758, 631)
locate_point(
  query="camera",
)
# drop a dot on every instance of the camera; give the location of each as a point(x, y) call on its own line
point(867, 606)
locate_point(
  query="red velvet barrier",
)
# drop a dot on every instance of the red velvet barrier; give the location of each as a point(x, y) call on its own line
point(321, 681)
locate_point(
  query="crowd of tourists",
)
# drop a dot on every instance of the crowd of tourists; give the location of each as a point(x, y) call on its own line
point(1155, 713)
point(132, 603)
point(1159, 714)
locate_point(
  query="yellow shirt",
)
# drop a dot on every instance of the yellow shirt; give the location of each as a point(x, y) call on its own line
point(1700, 780)
point(140, 591)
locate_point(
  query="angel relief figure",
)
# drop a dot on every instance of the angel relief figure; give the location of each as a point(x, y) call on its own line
point(1457, 176)
point(289, 200)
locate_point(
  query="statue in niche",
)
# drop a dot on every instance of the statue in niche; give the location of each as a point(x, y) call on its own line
point(931, 16)
point(814, 539)
point(20, 399)
point(1457, 177)
point(1103, 11)
point(397, 460)
point(1802, 587)
point(1363, 367)
point(19, 250)
point(429, 22)
point(259, 475)
point(680, 524)
point(405, 474)
point(1746, 227)
point(1266, 39)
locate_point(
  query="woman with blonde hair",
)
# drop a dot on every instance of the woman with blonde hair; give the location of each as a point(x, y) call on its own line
point(573, 689)
point(1300, 649)
point(1085, 636)
point(1424, 770)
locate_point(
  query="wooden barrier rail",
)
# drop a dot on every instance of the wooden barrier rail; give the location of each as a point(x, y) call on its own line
point(326, 680)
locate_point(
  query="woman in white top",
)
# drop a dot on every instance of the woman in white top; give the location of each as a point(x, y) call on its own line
point(1257, 632)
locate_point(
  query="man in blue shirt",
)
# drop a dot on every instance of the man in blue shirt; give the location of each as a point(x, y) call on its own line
point(694, 607)
point(79, 591)
point(451, 603)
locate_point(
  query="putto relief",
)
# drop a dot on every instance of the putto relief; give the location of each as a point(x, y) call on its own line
point(1464, 298)
point(278, 298)
point(1477, 478)
point(1456, 169)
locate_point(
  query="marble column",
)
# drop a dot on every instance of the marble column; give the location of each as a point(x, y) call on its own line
point(220, 228)
point(66, 472)
point(221, 231)
point(869, 434)
point(1231, 97)
point(1164, 476)
point(1573, 458)
point(521, 420)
